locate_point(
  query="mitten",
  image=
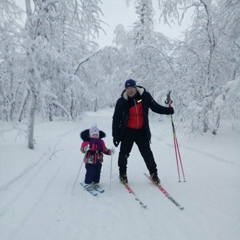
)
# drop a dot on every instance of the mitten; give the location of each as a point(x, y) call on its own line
point(112, 150)
point(115, 142)
point(86, 148)
point(170, 110)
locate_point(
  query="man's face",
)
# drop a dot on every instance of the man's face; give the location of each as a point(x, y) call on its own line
point(131, 91)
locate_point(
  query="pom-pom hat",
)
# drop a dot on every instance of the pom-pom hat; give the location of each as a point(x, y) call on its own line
point(130, 83)
point(93, 130)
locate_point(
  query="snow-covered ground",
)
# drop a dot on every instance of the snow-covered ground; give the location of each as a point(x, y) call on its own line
point(38, 200)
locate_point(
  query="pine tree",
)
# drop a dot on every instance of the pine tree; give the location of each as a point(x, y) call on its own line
point(144, 26)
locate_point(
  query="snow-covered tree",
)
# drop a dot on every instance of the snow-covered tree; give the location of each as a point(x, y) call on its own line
point(49, 60)
point(145, 53)
point(202, 61)
point(10, 59)
point(54, 68)
point(144, 26)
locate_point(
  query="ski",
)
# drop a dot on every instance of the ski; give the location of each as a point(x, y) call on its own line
point(160, 187)
point(92, 192)
point(99, 189)
point(134, 195)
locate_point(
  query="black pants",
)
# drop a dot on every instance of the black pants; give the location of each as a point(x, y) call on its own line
point(139, 137)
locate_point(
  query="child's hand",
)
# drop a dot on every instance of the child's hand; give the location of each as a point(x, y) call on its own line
point(112, 150)
point(86, 148)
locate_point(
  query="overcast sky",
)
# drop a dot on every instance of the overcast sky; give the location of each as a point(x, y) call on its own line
point(116, 12)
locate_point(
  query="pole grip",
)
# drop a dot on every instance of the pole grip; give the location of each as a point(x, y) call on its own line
point(168, 99)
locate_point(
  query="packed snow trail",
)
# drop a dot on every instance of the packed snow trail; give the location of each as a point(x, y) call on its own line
point(37, 203)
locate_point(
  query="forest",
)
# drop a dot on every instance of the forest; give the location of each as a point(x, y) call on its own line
point(52, 68)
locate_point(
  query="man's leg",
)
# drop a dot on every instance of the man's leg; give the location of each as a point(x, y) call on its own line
point(125, 149)
point(146, 152)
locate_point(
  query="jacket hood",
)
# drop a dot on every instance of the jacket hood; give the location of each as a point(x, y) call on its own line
point(139, 89)
point(84, 135)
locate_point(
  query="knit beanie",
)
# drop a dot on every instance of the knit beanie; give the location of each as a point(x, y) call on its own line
point(93, 130)
point(130, 83)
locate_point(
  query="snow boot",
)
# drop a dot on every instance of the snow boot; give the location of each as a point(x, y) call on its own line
point(155, 178)
point(123, 178)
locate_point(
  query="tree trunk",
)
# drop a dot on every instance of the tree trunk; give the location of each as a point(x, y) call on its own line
point(23, 107)
point(31, 123)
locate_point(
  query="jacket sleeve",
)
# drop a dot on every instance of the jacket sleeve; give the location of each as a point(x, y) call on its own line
point(116, 120)
point(84, 144)
point(105, 149)
point(157, 108)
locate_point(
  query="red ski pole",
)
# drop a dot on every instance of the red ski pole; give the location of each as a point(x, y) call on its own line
point(175, 141)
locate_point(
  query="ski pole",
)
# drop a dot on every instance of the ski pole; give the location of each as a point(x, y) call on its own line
point(110, 180)
point(78, 172)
point(175, 141)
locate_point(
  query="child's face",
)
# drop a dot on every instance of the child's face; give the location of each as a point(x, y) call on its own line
point(95, 135)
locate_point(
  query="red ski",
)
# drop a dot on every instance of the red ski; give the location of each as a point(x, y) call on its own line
point(134, 195)
point(160, 187)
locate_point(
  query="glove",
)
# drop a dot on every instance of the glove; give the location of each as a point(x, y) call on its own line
point(170, 110)
point(86, 148)
point(112, 150)
point(115, 142)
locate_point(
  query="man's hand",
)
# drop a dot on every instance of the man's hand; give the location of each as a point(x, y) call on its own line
point(115, 142)
point(170, 110)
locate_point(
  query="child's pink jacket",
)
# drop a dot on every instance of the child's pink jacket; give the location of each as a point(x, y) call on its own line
point(93, 155)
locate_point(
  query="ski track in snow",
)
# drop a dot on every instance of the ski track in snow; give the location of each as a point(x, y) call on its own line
point(26, 184)
point(34, 165)
point(197, 151)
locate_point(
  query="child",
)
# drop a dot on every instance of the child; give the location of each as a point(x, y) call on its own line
point(93, 147)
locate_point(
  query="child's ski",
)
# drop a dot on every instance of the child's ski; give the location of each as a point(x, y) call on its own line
point(92, 192)
point(99, 189)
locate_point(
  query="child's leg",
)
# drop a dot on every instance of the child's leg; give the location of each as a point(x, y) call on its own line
point(97, 174)
point(90, 170)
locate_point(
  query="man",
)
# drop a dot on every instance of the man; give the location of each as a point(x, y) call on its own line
point(130, 124)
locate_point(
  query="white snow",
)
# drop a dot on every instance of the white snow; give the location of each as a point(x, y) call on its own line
point(37, 201)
